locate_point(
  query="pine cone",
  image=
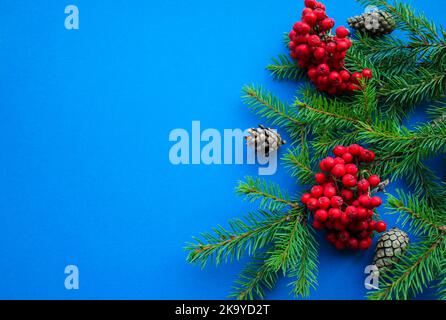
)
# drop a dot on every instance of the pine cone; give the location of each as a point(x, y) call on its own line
point(264, 140)
point(390, 245)
point(375, 24)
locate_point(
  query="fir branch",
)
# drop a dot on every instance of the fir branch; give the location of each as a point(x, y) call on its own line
point(270, 195)
point(297, 161)
point(283, 68)
point(437, 112)
point(269, 107)
point(402, 93)
point(389, 48)
point(327, 116)
point(286, 245)
point(286, 39)
point(419, 215)
point(254, 280)
point(243, 236)
point(420, 178)
point(305, 270)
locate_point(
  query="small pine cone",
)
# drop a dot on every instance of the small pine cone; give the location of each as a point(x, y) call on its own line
point(390, 245)
point(375, 24)
point(264, 140)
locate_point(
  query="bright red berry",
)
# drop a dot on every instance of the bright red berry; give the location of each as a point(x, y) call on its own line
point(351, 212)
point(330, 183)
point(349, 180)
point(310, 18)
point(310, 3)
point(336, 201)
point(301, 39)
point(344, 219)
point(362, 213)
point(323, 165)
point(320, 178)
point(301, 28)
point(363, 185)
point(312, 73)
point(364, 200)
point(356, 77)
point(338, 170)
point(345, 75)
point(314, 41)
point(329, 192)
point(364, 244)
point(367, 73)
point(302, 50)
point(331, 47)
point(319, 53)
point(374, 180)
point(375, 202)
point(306, 11)
point(321, 215)
point(324, 203)
point(339, 151)
point(312, 204)
point(320, 14)
point(367, 155)
point(323, 69)
point(334, 213)
point(351, 169)
point(329, 162)
point(355, 149)
point(342, 32)
point(334, 78)
point(317, 191)
point(347, 157)
point(327, 24)
point(380, 226)
point(296, 26)
point(347, 194)
point(343, 45)
point(305, 197)
point(292, 35)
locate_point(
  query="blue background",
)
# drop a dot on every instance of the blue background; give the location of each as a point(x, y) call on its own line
point(85, 116)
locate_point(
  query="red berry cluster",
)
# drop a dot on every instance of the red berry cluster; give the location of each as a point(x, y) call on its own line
point(322, 54)
point(342, 202)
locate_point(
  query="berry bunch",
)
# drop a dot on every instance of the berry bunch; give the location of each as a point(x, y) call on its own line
point(342, 200)
point(323, 54)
